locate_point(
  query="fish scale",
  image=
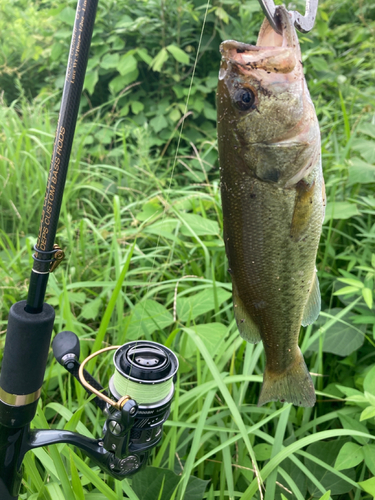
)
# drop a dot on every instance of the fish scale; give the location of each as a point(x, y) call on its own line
point(273, 202)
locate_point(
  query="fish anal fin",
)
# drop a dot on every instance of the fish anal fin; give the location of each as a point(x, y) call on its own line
point(303, 207)
point(293, 385)
point(249, 331)
point(312, 307)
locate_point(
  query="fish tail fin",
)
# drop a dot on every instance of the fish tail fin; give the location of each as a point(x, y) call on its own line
point(294, 385)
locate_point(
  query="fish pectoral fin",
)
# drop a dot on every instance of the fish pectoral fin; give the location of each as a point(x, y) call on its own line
point(303, 207)
point(294, 385)
point(249, 331)
point(312, 307)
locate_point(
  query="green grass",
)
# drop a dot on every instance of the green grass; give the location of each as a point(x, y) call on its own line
point(145, 259)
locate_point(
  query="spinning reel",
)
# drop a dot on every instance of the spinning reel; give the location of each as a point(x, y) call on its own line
point(141, 392)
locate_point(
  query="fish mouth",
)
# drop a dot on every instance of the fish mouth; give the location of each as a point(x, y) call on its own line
point(273, 53)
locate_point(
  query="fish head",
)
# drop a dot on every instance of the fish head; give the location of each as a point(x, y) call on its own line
point(262, 92)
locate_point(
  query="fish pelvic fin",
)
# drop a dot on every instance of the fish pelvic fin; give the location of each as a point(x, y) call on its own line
point(249, 331)
point(312, 307)
point(294, 385)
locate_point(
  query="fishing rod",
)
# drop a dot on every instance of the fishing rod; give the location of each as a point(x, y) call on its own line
point(146, 370)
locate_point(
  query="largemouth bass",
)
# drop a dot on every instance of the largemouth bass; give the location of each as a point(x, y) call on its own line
point(273, 201)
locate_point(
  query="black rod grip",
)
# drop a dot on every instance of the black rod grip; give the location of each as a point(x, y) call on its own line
point(26, 349)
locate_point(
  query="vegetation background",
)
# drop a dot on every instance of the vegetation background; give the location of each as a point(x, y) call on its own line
point(141, 224)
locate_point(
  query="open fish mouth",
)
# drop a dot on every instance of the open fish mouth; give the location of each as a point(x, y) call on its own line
point(273, 53)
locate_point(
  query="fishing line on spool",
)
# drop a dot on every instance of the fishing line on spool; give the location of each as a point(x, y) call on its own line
point(145, 370)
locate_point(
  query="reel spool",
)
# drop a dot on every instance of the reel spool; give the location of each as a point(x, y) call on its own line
point(146, 370)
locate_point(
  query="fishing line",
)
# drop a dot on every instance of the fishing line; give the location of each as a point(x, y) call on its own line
point(124, 384)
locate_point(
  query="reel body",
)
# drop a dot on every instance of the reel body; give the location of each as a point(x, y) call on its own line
point(142, 389)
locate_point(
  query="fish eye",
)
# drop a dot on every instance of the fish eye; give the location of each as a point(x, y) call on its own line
point(244, 99)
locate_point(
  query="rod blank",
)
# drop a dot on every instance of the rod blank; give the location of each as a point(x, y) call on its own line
point(74, 78)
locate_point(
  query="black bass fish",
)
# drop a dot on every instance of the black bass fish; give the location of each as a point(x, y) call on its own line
point(273, 201)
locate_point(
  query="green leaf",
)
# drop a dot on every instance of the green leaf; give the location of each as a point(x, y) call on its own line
point(91, 309)
point(128, 490)
point(340, 338)
point(367, 413)
point(91, 79)
point(221, 14)
point(349, 456)
point(144, 56)
point(110, 61)
point(93, 476)
point(327, 452)
point(158, 61)
point(200, 303)
point(369, 381)
point(368, 486)
point(352, 424)
point(235, 413)
point(300, 443)
point(158, 123)
point(195, 488)
point(326, 495)
point(149, 483)
point(370, 398)
point(340, 210)
point(369, 454)
point(120, 82)
point(360, 171)
point(56, 51)
point(46, 461)
point(77, 297)
point(199, 225)
point(150, 209)
point(76, 483)
point(211, 335)
point(137, 107)
point(209, 113)
point(263, 451)
point(147, 316)
point(175, 115)
point(367, 295)
point(55, 491)
point(127, 64)
point(351, 282)
point(178, 54)
point(67, 15)
point(164, 227)
point(346, 290)
point(112, 302)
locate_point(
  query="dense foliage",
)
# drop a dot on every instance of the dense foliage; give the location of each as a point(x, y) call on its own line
point(143, 185)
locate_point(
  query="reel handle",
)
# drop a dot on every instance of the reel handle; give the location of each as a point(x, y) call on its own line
point(66, 349)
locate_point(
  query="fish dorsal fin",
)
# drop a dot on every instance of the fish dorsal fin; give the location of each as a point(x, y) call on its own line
point(249, 331)
point(312, 307)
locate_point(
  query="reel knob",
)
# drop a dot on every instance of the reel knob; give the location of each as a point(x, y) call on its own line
point(66, 348)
